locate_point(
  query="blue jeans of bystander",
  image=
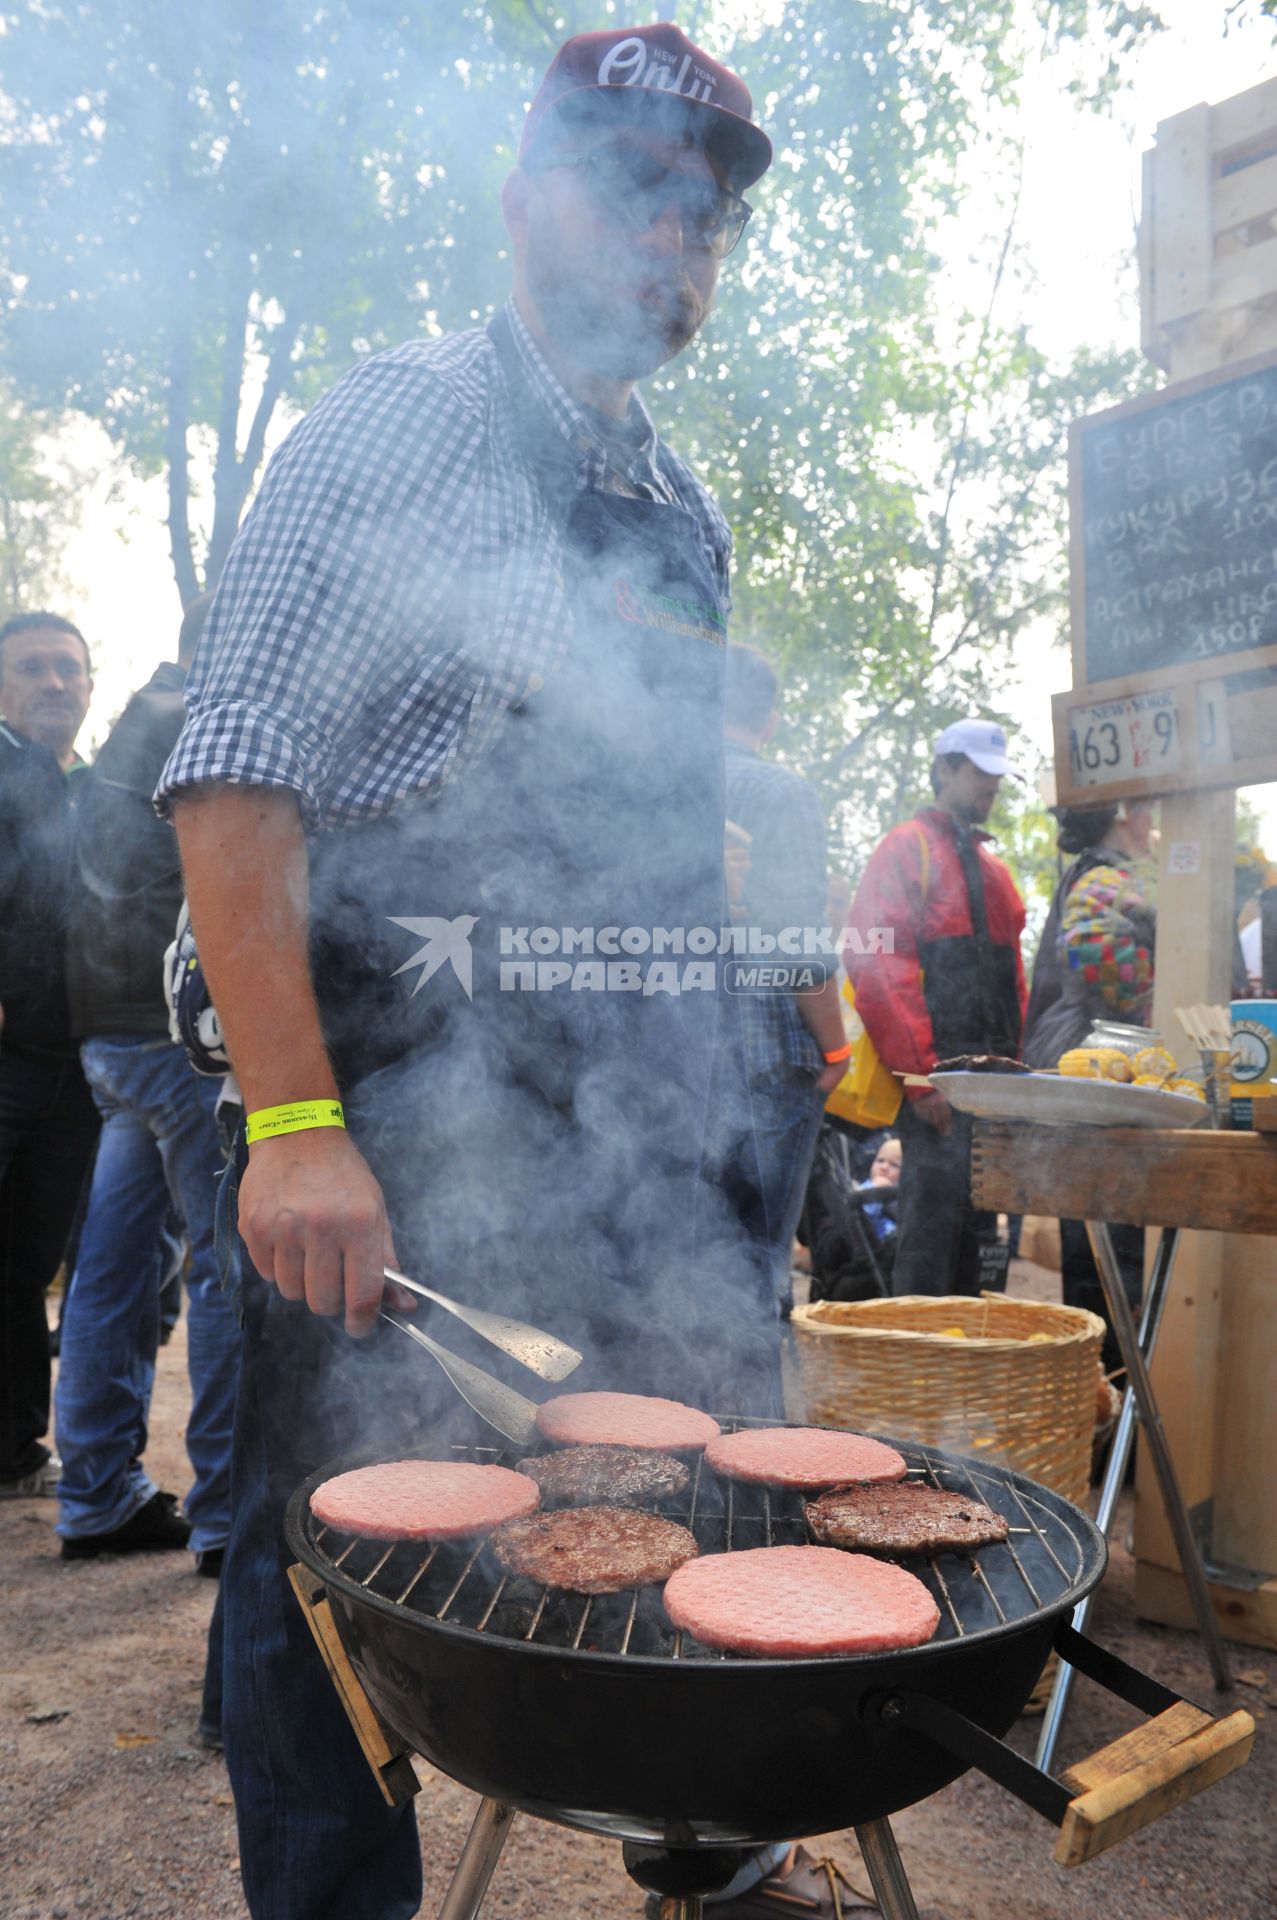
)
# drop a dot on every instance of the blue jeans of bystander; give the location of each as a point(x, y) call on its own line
point(158, 1143)
point(787, 1114)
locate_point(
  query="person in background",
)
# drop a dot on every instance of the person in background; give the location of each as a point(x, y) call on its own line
point(794, 1040)
point(159, 1149)
point(939, 973)
point(48, 1123)
point(884, 1172)
point(884, 1168)
point(1095, 962)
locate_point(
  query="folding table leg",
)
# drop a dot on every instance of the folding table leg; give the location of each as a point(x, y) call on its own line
point(886, 1871)
point(478, 1861)
point(1151, 1423)
point(1114, 1480)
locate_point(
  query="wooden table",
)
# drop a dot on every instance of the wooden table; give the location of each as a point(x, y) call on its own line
point(1148, 1177)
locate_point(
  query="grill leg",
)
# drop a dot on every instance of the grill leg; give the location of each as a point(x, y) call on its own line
point(478, 1861)
point(886, 1872)
point(1114, 1480)
point(1155, 1438)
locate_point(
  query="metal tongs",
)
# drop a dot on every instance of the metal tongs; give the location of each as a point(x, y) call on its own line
point(541, 1353)
point(509, 1412)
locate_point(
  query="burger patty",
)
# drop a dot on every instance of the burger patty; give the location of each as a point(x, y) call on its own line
point(799, 1602)
point(590, 1476)
point(980, 1063)
point(593, 1549)
point(624, 1420)
point(802, 1457)
point(422, 1499)
point(904, 1518)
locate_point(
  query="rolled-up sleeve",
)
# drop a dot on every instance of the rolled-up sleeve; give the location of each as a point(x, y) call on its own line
point(338, 587)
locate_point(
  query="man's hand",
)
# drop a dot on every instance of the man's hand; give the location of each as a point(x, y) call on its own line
point(829, 1076)
point(314, 1222)
point(935, 1110)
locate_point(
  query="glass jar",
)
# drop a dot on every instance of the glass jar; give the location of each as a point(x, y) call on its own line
point(1112, 1033)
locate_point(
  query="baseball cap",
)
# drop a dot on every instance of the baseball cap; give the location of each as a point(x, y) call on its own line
point(643, 68)
point(982, 741)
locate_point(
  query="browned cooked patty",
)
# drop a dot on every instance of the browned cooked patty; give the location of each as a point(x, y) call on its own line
point(980, 1063)
point(902, 1518)
point(620, 1476)
point(593, 1549)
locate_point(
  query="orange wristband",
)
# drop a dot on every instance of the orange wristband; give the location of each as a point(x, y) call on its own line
point(838, 1053)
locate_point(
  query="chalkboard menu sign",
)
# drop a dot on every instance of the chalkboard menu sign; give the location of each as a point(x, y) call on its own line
point(1174, 535)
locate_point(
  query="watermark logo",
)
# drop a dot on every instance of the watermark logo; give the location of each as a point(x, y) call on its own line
point(447, 944)
point(644, 960)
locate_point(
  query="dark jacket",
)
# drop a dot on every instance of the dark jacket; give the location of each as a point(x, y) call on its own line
point(128, 874)
point(35, 813)
point(929, 982)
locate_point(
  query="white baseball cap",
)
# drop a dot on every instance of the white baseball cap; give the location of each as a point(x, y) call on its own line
point(982, 741)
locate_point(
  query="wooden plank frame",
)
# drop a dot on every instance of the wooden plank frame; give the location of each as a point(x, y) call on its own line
point(1149, 1176)
point(1193, 776)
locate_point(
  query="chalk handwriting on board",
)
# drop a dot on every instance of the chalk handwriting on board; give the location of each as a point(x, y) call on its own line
point(1179, 527)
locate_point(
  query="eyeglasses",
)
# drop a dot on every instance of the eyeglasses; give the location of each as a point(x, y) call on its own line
point(631, 190)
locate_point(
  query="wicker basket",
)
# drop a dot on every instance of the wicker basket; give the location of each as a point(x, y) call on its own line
point(890, 1366)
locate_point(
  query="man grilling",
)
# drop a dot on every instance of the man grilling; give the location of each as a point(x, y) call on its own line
point(458, 708)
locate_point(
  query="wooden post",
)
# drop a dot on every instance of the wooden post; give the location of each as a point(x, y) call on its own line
point(1208, 268)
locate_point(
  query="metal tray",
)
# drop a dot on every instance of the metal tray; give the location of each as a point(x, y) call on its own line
point(1053, 1100)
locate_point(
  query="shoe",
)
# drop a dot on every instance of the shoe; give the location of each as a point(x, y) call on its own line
point(209, 1563)
point(155, 1526)
point(40, 1484)
point(209, 1737)
point(803, 1889)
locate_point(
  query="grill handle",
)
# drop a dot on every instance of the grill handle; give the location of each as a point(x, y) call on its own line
point(1122, 1787)
point(382, 1748)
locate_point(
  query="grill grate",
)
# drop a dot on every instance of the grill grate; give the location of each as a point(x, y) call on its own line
point(463, 1585)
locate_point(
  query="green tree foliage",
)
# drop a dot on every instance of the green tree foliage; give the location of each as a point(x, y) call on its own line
point(208, 212)
point(206, 215)
point(894, 470)
point(39, 506)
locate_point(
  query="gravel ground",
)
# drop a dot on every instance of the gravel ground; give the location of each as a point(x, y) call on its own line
point(109, 1808)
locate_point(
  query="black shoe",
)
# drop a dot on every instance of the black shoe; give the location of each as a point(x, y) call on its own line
point(154, 1526)
point(209, 1563)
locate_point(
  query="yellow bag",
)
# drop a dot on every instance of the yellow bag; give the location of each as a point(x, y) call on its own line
point(869, 1094)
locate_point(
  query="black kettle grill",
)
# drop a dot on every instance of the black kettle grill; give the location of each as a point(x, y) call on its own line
point(597, 1713)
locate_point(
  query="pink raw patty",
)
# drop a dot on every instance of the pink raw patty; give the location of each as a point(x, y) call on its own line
point(624, 1420)
point(803, 1457)
point(423, 1499)
point(800, 1602)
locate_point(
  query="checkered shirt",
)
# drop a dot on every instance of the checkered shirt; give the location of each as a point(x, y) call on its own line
point(399, 583)
point(786, 886)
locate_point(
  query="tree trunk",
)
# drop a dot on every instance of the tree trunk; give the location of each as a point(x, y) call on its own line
point(233, 489)
point(179, 484)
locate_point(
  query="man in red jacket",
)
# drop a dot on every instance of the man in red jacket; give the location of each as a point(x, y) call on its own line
point(939, 973)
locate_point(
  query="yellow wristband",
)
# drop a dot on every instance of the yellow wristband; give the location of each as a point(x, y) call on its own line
point(297, 1117)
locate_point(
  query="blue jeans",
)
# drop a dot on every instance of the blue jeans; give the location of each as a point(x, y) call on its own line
point(316, 1839)
point(158, 1143)
point(788, 1111)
